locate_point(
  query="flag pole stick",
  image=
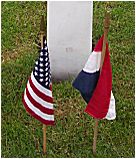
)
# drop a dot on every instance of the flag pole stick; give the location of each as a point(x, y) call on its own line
point(42, 34)
point(44, 139)
point(106, 29)
point(95, 136)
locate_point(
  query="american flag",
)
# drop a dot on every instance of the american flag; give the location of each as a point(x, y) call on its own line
point(37, 98)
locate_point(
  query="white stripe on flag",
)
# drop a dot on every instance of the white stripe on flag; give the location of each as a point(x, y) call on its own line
point(40, 87)
point(38, 99)
point(37, 111)
point(93, 63)
point(111, 114)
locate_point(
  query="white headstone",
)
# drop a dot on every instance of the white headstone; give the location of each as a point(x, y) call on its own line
point(69, 36)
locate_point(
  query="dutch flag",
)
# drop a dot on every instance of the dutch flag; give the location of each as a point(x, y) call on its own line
point(96, 87)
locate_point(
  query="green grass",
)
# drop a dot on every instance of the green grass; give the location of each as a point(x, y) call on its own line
point(72, 135)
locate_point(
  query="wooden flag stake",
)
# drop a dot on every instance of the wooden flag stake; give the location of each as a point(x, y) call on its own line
point(106, 29)
point(42, 34)
point(44, 139)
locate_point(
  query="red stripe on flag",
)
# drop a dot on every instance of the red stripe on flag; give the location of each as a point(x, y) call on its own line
point(46, 122)
point(99, 45)
point(38, 105)
point(40, 94)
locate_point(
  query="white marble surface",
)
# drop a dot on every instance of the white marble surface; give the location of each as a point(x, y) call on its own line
point(69, 36)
